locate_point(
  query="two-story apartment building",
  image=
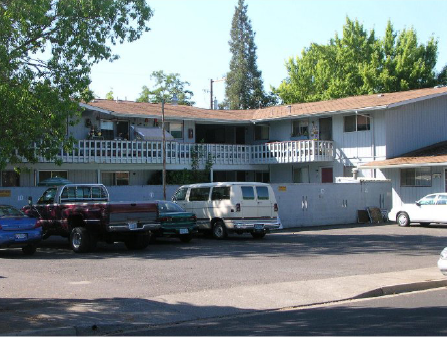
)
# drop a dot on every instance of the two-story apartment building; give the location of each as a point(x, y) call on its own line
point(119, 142)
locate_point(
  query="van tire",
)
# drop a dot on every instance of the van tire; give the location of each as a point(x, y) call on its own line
point(219, 230)
point(258, 235)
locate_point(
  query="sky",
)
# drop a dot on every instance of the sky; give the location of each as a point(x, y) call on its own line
point(190, 37)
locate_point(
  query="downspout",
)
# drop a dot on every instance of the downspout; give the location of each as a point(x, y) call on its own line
point(373, 140)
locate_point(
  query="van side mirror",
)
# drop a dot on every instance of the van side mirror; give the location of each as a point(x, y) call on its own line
point(30, 200)
point(418, 203)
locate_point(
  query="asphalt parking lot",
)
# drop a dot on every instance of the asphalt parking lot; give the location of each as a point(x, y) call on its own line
point(113, 278)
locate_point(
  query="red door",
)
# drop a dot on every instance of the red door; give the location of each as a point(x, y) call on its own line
point(326, 175)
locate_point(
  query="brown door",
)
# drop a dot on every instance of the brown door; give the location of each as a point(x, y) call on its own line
point(327, 175)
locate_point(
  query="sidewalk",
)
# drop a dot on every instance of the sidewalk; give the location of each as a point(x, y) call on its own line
point(45, 317)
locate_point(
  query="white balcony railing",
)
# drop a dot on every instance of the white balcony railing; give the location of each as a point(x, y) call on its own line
point(101, 151)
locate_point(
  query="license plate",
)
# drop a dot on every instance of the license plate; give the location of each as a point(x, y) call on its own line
point(259, 226)
point(21, 236)
point(132, 226)
point(183, 231)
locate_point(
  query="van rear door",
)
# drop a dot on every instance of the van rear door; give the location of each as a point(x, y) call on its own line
point(249, 204)
point(264, 202)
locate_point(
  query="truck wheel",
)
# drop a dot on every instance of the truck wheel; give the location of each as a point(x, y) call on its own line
point(403, 220)
point(29, 249)
point(258, 235)
point(80, 240)
point(138, 241)
point(186, 238)
point(219, 230)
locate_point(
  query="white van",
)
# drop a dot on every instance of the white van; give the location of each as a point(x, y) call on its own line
point(231, 207)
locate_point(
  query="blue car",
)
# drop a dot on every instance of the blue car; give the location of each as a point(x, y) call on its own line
point(18, 230)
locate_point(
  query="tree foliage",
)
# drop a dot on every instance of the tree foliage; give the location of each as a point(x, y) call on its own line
point(360, 63)
point(166, 85)
point(109, 94)
point(244, 85)
point(442, 77)
point(47, 49)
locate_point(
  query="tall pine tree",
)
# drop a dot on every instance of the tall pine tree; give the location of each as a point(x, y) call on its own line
point(244, 85)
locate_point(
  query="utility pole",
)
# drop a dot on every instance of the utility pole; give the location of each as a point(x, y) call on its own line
point(211, 91)
point(163, 147)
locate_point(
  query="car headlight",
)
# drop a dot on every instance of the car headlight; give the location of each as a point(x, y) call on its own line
point(444, 254)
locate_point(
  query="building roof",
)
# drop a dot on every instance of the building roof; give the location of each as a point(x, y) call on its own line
point(433, 155)
point(344, 105)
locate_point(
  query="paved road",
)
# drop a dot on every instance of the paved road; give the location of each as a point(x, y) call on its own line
point(173, 281)
point(172, 267)
point(415, 314)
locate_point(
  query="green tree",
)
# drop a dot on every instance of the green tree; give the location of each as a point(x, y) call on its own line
point(109, 95)
point(47, 49)
point(359, 63)
point(244, 85)
point(166, 85)
point(442, 77)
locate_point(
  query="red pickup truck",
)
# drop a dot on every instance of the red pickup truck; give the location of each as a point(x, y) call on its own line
point(83, 213)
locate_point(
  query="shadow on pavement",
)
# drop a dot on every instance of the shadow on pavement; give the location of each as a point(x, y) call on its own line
point(310, 242)
point(93, 316)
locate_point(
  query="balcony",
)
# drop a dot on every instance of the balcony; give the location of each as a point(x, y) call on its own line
point(147, 152)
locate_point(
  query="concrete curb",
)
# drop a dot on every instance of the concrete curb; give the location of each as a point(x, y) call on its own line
point(104, 329)
point(403, 288)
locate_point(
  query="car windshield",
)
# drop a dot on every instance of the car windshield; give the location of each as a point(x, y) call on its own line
point(168, 207)
point(8, 211)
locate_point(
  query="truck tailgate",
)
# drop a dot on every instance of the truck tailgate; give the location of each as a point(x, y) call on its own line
point(125, 212)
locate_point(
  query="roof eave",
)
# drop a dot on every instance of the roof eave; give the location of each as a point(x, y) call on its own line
point(323, 113)
point(404, 165)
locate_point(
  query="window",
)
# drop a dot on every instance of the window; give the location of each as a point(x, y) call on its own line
point(415, 177)
point(83, 193)
point(220, 193)
point(46, 174)
point(263, 193)
point(347, 170)
point(356, 123)
point(263, 177)
point(48, 196)
point(428, 200)
point(107, 130)
point(300, 128)
point(180, 194)
point(115, 177)
point(176, 129)
point(301, 175)
point(199, 194)
point(442, 200)
point(248, 193)
point(10, 178)
point(261, 132)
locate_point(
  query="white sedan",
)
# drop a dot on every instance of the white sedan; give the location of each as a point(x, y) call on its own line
point(442, 262)
point(429, 209)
